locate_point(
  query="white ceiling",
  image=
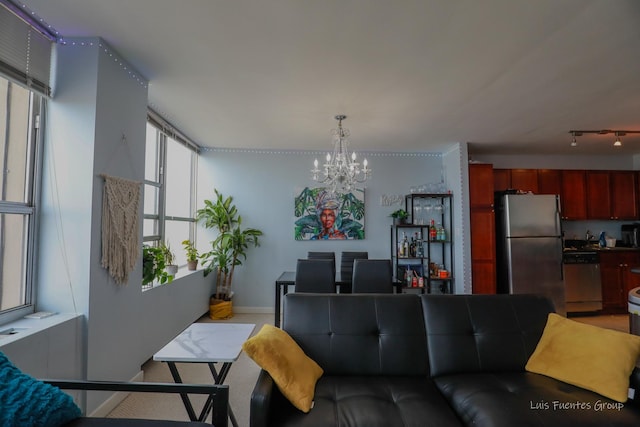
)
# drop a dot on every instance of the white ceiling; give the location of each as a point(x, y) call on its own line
point(507, 76)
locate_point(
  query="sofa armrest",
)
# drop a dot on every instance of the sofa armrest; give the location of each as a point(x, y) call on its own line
point(634, 383)
point(219, 393)
point(261, 400)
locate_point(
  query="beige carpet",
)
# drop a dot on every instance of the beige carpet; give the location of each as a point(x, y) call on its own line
point(241, 380)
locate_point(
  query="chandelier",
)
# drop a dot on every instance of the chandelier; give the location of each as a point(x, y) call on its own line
point(341, 172)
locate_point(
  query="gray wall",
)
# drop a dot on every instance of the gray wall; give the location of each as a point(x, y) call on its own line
point(96, 101)
point(263, 184)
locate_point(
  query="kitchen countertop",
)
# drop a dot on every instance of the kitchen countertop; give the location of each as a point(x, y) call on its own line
point(582, 245)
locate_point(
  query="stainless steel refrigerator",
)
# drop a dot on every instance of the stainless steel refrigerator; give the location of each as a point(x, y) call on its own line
point(529, 246)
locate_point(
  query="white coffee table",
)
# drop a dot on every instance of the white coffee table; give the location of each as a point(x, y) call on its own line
point(208, 343)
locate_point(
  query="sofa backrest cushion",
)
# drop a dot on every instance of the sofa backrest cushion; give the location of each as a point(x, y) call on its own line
point(359, 334)
point(480, 333)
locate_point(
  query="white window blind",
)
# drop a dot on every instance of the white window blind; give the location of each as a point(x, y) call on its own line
point(25, 52)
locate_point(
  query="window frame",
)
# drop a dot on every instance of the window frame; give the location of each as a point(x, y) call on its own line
point(165, 134)
point(29, 206)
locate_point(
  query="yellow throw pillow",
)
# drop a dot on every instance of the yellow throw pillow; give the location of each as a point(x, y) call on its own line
point(294, 372)
point(596, 359)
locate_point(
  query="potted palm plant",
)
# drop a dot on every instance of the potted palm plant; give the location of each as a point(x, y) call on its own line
point(228, 249)
point(192, 254)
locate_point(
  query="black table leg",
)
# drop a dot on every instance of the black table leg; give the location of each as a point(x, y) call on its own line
point(185, 398)
point(218, 378)
point(276, 321)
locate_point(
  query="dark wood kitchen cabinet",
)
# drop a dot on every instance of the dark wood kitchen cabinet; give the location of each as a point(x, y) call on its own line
point(480, 185)
point(482, 222)
point(611, 195)
point(574, 195)
point(517, 179)
point(617, 279)
point(525, 180)
point(501, 179)
point(549, 181)
point(598, 194)
point(624, 195)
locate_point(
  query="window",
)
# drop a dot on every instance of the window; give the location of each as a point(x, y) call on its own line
point(169, 188)
point(19, 111)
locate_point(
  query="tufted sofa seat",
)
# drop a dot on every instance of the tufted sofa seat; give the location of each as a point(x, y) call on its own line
point(410, 360)
point(374, 355)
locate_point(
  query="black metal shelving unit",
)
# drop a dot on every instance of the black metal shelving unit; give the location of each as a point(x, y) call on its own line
point(437, 253)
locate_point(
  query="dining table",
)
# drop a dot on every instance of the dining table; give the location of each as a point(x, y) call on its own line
point(288, 278)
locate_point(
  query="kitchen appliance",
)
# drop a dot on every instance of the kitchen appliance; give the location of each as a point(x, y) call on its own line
point(630, 235)
point(529, 246)
point(583, 288)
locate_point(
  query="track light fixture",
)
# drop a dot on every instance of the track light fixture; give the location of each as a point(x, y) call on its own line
point(617, 133)
point(617, 142)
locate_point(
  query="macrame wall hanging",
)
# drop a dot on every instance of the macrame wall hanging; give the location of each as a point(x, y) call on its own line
point(120, 249)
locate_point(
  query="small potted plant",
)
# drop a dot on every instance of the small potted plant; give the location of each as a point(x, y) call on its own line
point(399, 217)
point(192, 254)
point(153, 266)
point(169, 260)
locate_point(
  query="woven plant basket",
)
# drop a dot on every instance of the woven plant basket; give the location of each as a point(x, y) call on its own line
point(220, 309)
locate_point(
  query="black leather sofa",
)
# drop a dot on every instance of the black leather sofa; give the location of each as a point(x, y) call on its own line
point(429, 360)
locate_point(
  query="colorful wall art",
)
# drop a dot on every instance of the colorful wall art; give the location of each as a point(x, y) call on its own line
point(322, 215)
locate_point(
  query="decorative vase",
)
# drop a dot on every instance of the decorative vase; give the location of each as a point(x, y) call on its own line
point(172, 270)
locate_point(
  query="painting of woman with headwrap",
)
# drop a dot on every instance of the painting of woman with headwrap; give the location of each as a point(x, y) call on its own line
point(322, 215)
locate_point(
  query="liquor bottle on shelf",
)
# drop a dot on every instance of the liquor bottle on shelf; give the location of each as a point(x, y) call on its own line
point(401, 248)
point(419, 247)
point(433, 233)
point(405, 245)
point(412, 247)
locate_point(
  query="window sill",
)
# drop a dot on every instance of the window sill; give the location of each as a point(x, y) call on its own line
point(182, 272)
point(22, 328)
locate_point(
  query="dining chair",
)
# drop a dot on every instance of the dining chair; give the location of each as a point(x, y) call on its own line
point(372, 276)
point(346, 268)
point(315, 275)
point(323, 255)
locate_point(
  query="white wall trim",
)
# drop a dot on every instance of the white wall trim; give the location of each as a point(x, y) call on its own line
point(116, 398)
